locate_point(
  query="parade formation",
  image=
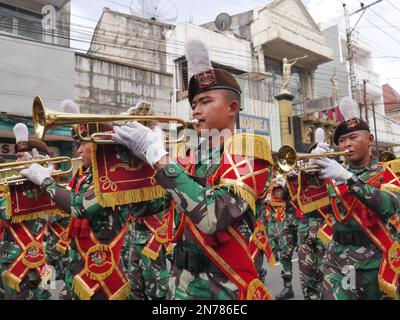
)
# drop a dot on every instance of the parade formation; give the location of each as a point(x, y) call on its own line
point(146, 217)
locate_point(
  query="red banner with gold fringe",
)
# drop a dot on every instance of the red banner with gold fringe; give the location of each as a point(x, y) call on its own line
point(259, 242)
point(312, 193)
point(32, 256)
point(101, 270)
point(120, 179)
point(27, 201)
point(377, 231)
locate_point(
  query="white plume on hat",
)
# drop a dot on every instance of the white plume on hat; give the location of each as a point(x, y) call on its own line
point(21, 132)
point(197, 56)
point(70, 106)
point(319, 135)
point(348, 108)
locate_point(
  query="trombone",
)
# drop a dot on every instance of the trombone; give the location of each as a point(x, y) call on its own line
point(387, 156)
point(288, 158)
point(14, 179)
point(45, 119)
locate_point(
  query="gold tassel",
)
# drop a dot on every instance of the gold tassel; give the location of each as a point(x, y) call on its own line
point(36, 215)
point(114, 199)
point(11, 280)
point(122, 293)
point(325, 239)
point(81, 289)
point(390, 187)
point(249, 145)
point(272, 261)
point(61, 248)
point(150, 253)
point(394, 165)
point(388, 288)
point(244, 194)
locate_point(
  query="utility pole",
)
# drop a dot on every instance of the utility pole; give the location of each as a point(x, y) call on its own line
point(366, 102)
point(349, 42)
point(376, 131)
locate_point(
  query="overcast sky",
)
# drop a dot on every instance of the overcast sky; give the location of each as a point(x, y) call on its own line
point(379, 27)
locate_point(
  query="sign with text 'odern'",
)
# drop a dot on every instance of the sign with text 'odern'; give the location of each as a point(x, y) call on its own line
point(255, 124)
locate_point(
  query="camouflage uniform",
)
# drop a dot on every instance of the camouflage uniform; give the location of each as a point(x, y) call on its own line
point(54, 257)
point(194, 276)
point(30, 288)
point(148, 278)
point(273, 230)
point(105, 222)
point(311, 255)
point(359, 253)
point(288, 241)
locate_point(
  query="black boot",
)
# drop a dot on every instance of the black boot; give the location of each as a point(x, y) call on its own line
point(287, 291)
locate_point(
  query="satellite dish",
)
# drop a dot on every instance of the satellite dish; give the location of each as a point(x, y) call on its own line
point(158, 10)
point(223, 21)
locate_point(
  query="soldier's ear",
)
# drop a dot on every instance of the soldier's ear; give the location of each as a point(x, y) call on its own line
point(234, 107)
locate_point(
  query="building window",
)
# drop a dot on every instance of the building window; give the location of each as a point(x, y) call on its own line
point(182, 75)
point(20, 22)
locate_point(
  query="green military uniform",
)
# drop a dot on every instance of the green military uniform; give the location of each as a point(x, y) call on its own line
point(288, 242)
point(30, 287)
point(148, 278)
point(311, 254)
point(54, 257)
point(351, 247)
point(273, 230)
point(194, 276)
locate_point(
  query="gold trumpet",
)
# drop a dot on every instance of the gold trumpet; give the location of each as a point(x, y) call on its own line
point(11, 166)
point(287, 158)
point(45, 119)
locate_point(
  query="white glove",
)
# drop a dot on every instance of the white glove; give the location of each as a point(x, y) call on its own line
point(321, 148)
point(146, 144)
point(267, 199)
point(331, 169)
point(37, 173)
point(35, 155)
point(281, 181)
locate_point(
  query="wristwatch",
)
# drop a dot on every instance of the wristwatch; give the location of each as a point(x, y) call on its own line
point(47, 182)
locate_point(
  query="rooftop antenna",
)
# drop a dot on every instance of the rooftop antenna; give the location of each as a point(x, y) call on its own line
point(158, 10)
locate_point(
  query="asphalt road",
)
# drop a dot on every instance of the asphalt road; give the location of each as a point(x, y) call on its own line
point(274, 281)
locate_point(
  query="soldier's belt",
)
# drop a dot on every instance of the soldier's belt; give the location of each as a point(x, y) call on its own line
point(351, 238)
point(195, 262)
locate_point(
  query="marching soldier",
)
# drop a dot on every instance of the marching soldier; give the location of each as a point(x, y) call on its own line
point(97, 232)
point(311, 251)
point(146, 270)
point(58, 241)
point(273, 225)
point(22, 259)
point(288, 238)
point(362, 251)
point(213, 204)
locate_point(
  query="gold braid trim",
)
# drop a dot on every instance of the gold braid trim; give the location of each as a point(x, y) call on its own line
point(243, 193)
point(122, 293)
point(388, 288)
point(394, 165)
point(37, 215)
point(325, 239)
point(61, 248)
point(118, 198)
point(390, 187)
point(272, 261)
point(81, 289)
point(249, 145)
point(94, 275)
point(11, 280)
point(150, 253)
